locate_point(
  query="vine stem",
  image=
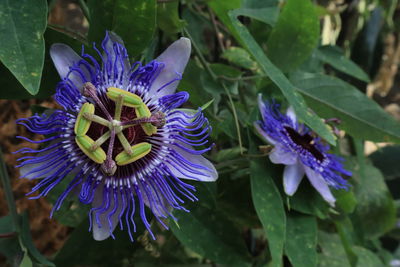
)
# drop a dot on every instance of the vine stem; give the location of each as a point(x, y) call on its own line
point(215, 78)
point(5, 180)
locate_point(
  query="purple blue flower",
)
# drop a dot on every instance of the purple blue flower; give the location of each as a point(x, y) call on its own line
point(120, 141)
point(301, 151)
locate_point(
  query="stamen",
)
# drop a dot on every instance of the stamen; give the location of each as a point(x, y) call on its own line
point(130, 99)
point(118, 107)
point(82, 124)
point(139, 151)
point(85, 143)
point(144, 112)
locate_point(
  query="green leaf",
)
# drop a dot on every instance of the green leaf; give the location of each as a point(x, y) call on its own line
point(82, 250)
point(288, 90)
point(301, 240)
point(332, 251)
point(345, 200)
point(367, 258)
point(387, 160)
point(168, 17)
point(335, 57)
point(269, 207)
point(22, 26)
point(9, 247)
point(221, 9)
point(121, 16)
point(295, 35)
point(259, 3)
point(374, 201)
point(211, 235)
point(239, 57)
point(27, 241)
point(267, 15)
point(360, 116)
point(307, 200)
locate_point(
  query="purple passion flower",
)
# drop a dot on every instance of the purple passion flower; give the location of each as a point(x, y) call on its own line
point(301, 152)
point(120, 140)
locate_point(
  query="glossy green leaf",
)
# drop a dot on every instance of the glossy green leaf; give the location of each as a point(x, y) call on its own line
point(209, 234)
point(288, 90)
point(121, 16)
point(269, 207)
point(301, 232)
point(27, 242)
point(367, 258)
point(374, 201)
point(345, 200)
point(221, 9)
point(9, 246)
point(259, 3)
point(386, 159)
point(295, 35)
point(335, 57)
point(168, 17)
point(332, 252)
point(82, 250)
point(22, 26)
point(360, 116)
point(307, 200)
point(239, 57)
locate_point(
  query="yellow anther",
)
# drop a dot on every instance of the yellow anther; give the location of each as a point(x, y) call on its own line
point(86, 143)
point(82, 124)
point(144, 112)
point(130, 99)
point(139, 151)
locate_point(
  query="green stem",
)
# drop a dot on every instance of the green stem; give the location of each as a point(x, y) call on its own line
point(215, 78)
point(235, 117)
point(5, 179)
point(200, 55)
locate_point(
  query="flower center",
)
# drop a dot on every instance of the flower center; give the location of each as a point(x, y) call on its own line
point(119, 134)
point(306, 141)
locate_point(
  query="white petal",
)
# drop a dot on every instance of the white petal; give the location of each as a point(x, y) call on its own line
point(291, 114)
point(261, 106)
point(24, 170)
point(292, 176)
point(209, 175)
point(63, 58)
point(264, 134)
point(175, 58)
point(280, 156)
point(103, 232)
point(319, 183)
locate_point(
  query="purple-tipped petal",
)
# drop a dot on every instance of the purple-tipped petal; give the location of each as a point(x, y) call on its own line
point(104, 232)
point(291, 114)
point(319, 183)
point(264, 134)
point(174, 58)
point(281, 156)
point(63, 58)
point(292, 176)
